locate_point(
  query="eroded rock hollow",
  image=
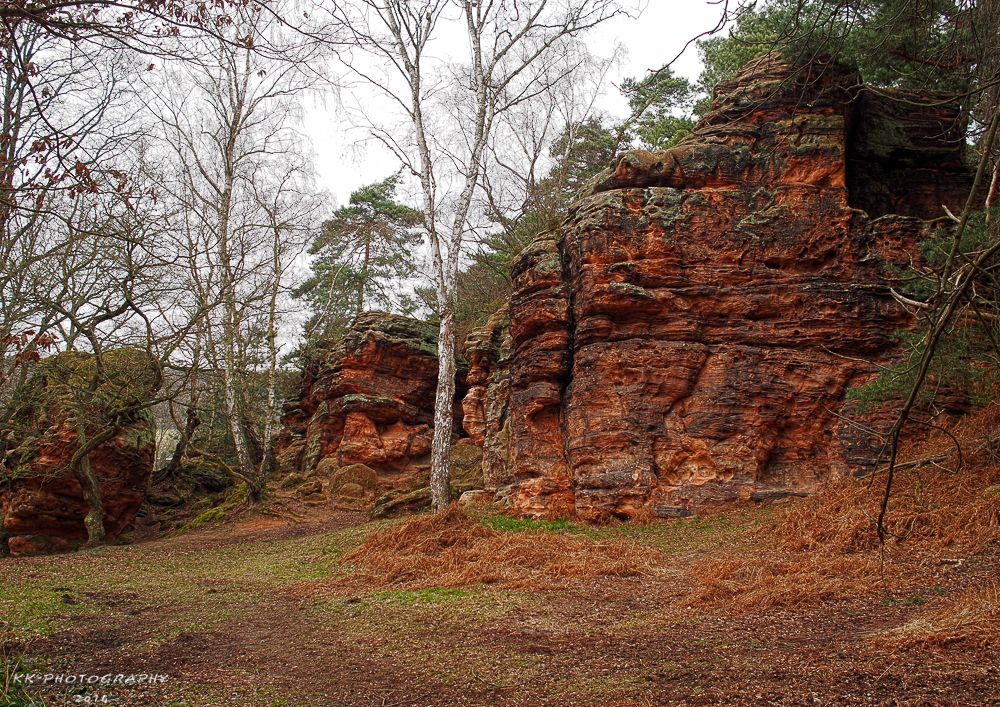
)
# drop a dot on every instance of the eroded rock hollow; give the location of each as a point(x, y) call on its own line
point(686, 338)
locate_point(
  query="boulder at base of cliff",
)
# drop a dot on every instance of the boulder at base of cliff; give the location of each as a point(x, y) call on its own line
point(466, 477)
point(41, 503)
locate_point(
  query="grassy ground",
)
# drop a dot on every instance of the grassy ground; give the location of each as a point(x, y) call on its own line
point(237, 617)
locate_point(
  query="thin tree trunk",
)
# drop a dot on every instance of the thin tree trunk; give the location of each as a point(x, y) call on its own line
point(246, 465)
point(364, 277)
point(993, 189)
point(268, 463)
point(91, 485)
point(173, 467)
point(443, 410)
point(230, 325)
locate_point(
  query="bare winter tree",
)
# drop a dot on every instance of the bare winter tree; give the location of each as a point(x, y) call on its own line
point(244, 206)
point(95, 291)
point(62, 113)
point(529, 154)
point(290, 211)
point(451, 110)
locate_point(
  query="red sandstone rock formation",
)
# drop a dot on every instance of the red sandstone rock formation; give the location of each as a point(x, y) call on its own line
point(485, 406)
point(41, 503)
point(686, 339)
point(369, 399)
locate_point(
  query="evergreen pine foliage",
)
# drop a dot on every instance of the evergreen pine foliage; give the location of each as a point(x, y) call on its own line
point(579, 154)
point(908, 44)
point(664, 104)
point(966, 358)
point(363, 253)
point(754, 34)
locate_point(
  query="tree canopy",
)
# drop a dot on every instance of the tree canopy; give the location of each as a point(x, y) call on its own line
point(934, 44)
point(664, 104)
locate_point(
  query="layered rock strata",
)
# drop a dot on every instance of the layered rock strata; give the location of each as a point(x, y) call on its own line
point(686, 338)
point(369, 399)
point(42, 506)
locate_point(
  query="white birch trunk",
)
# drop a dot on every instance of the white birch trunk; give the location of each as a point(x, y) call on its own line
point(239, 440)
point(267, 464)
point(443, 413)
point(411, 25)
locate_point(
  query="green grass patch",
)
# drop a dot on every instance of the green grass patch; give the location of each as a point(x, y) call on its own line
point(506, 524)
point(682, 535)
point(33, 608)
point(691, 534)
point(431, 595)
point(206, 585)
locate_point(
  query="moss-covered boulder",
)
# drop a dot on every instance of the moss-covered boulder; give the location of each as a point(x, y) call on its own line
point(41, 502)
point(357, 475)
point(466, 467)
point(208, 476)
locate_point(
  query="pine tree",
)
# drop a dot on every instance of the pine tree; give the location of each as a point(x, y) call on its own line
point(662, 106)
point(363, 253)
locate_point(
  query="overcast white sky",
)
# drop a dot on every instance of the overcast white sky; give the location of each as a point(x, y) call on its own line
point(652, 39)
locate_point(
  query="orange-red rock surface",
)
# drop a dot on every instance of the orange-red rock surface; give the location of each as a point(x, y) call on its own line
point(687, 337)
point(367, 399)
point(41, 503)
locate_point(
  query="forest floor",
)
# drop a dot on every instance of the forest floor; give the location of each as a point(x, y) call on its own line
point(797, 605)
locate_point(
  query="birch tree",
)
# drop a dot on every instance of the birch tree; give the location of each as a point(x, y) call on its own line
point(451, 110)
point(244, 205)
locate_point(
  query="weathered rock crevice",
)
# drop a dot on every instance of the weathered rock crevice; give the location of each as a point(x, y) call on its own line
point(571, 348)
point(906, 154)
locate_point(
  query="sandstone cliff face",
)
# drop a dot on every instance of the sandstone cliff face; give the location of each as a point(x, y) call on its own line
point(686, 339)
point(369, 399)
point(41, 503)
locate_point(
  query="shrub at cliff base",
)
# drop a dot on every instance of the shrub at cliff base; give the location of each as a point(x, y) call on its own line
point(450, 550)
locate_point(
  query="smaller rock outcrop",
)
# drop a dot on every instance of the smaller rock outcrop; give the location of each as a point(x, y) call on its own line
point(486, 409)
point(42, 506)
point(367, 402)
